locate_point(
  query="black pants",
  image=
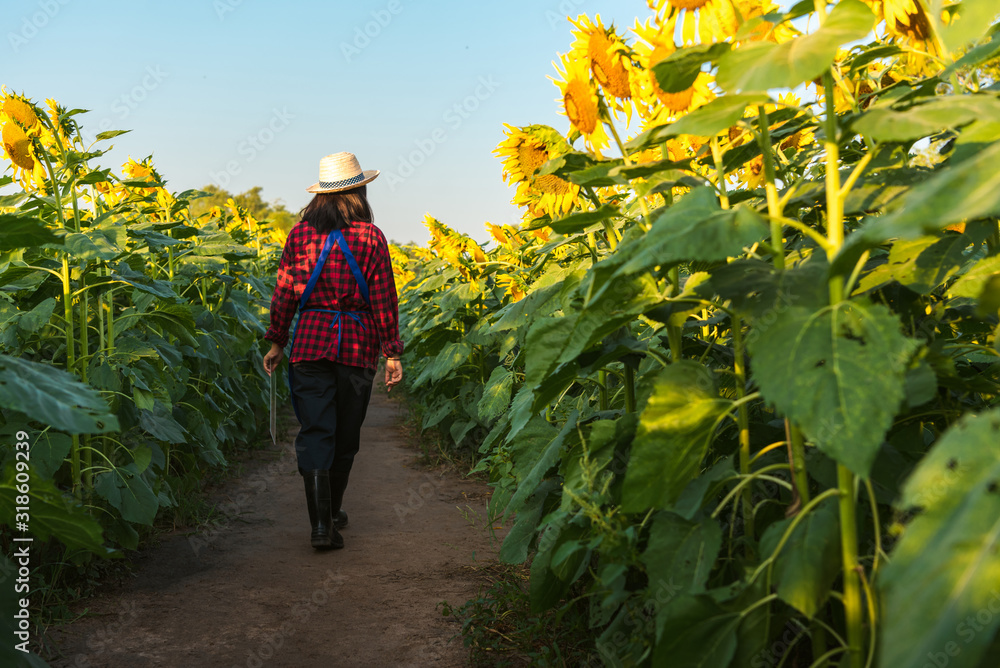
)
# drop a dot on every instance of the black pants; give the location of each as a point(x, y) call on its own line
point(331, 400)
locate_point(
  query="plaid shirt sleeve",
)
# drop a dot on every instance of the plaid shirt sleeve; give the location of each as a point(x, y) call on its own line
point(284, 301)
point(385, 306)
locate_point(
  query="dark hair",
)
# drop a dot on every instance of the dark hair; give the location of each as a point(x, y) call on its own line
point(335, 211)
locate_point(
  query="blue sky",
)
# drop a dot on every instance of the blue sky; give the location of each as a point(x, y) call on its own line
point(247, 92)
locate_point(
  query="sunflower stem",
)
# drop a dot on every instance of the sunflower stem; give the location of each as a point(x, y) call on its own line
point(170, 249)
point(602, 381)
point(606, 117)
point(773, 202)
point(743, 421)
point(70, 337)
point(675, 337)
point(797, 461)
point(835, 195)
point(720, 174)
point(629, 389)
point(820, 7)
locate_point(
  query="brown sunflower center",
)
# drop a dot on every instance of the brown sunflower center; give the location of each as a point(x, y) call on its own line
point(553, 185)
point(530, 157)
point(676, 102)
point(612, 75)
point(580, 107)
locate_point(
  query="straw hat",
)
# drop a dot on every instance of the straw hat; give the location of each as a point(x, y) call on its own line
point(341, 171)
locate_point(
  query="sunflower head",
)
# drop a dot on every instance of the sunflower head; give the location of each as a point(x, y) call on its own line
point(498, 234)
point(661, 105)
point(609, 57)
point(18, 109)
point(580, 102)
point(17, 145)
point(579, 96)
point(512, 285)
point(524, 151)
point(475, 251)
point(137, 170)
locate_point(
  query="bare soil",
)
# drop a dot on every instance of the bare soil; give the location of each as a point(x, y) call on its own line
point(250, 591)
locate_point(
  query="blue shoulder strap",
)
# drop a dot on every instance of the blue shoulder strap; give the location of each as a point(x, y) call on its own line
point(353, 264)
point(317, 270)
point(338, 236)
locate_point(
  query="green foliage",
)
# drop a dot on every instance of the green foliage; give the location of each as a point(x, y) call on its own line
point(950, 548)
point(130, 353)
point(737, 420)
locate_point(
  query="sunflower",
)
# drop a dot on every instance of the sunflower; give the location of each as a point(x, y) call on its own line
point(512, 286)
point(524, 151)
point(19, 126)
point(422, 253)
point(62, 124)
point(137, 170)
point(112, 194)
point(475, 251)
point(704, 21)
point(661, 105)
point(610, 60)
point(141, 171)
point(864, 89)
point(542, 233)
point(278, 236)
point(751, 9)
point(697, 95)
point(907, 21)
point(580, 101)
point(241, 216)
point(28, 170)
point(505, 235)
point(18, 147)
point(752, 173)
point(447, 244)
point(17, 108)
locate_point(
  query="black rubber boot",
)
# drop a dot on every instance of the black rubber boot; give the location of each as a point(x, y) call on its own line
point(338, 483)
point(324, 535)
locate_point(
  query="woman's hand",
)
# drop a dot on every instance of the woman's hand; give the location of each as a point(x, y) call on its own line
point(273, 358)
point(393, 373)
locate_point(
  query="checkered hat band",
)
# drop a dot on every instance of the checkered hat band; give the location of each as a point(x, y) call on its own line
point(344, 182)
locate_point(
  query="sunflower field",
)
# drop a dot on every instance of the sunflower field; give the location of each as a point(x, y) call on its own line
point(130, 336)
point(734, 379)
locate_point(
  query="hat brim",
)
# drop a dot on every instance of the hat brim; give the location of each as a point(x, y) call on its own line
point(369, 174)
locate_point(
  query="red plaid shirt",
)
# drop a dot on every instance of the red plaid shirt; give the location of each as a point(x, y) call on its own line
point(337, 290)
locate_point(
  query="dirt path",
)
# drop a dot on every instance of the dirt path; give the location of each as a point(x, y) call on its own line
point(252, 592)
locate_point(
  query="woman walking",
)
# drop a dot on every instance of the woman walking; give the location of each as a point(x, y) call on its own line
point(335, 270)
